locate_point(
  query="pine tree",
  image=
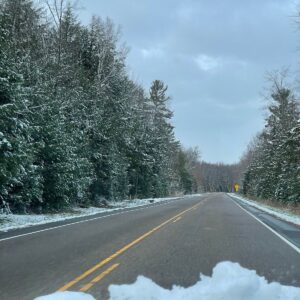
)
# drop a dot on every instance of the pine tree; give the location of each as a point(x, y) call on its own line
point(163, 138)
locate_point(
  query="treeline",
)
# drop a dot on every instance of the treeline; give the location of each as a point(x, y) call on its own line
point(217, 177)
point(74, 128)
point(273, 158)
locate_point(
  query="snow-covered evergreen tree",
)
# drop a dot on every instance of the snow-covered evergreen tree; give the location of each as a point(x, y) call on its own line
point(272, 172)
point(163, 139)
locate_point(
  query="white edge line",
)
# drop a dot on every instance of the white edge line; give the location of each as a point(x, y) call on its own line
point(267, 226)
point(84, 221)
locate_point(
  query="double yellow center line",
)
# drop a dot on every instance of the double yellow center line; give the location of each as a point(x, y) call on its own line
point(116, 254)
point(98, 278)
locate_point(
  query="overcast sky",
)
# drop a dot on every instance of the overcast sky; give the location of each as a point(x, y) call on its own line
point(214, 55)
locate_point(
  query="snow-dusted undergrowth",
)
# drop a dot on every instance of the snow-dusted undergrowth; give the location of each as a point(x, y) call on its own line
point(229, 281)
point(8, 222)
point(280, 213)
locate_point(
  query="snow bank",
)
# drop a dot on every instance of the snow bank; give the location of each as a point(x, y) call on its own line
point(280, 213)
point(229, 281)
point(8, 222)
point(66, 296)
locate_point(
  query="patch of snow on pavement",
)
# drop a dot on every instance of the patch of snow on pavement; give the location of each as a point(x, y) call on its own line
point(281, 214)
point(229, 281)
point(13, 221)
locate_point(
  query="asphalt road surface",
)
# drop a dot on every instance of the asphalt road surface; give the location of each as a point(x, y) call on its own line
point(169, 243)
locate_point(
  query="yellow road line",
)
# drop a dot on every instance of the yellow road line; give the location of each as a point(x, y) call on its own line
point(122, 250)
point(177, 219)
point(98, 278)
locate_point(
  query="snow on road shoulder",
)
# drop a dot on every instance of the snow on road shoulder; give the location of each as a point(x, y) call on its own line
point(280, 213)
point(13, 221)
point(229, 281)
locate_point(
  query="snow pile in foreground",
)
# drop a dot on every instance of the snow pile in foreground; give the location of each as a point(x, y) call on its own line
point(229, 281)
point(67, 296)
point(280, 213)
point(8, 222)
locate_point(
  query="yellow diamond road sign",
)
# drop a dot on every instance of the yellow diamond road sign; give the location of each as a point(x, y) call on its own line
point(236, 187)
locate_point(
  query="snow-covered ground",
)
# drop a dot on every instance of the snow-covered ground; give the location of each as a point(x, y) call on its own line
point(279, 213)
point(12, 221)
point(229, 281)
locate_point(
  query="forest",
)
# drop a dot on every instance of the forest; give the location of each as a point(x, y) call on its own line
point(75, 129)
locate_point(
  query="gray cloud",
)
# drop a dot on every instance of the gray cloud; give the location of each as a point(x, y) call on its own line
point(213, 54)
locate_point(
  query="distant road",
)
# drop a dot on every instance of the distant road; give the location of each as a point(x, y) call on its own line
point(170, 243)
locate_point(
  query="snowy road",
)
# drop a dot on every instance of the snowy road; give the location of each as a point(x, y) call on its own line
point(170, 243)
